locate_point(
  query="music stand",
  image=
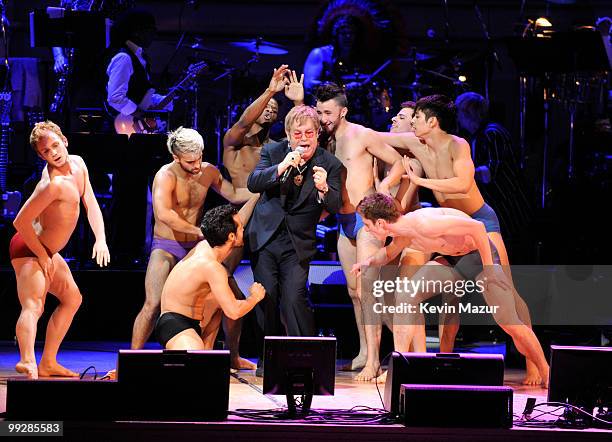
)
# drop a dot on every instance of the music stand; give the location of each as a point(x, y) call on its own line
point(58, 27)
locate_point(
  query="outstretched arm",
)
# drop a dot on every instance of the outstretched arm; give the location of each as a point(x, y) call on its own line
point(234, 138)
point(403, 141)
point(383, 256)
point(463, 167)
point(96, 221)
point(232, 307)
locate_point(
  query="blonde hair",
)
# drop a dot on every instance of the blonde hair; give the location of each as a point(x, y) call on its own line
point(299, 114)
point(39, 129)
point(184, 140)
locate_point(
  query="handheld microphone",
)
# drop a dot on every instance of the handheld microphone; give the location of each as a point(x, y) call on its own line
point(300, 150)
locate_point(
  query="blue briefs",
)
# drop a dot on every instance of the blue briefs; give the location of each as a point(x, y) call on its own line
point(488, 217)
point(350, 224)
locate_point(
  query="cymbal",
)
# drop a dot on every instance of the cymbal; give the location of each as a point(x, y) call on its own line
point(259, 46)
point(197, 46)
point(420, 56)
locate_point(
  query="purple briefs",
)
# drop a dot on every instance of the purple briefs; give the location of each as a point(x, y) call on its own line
point(178, 249)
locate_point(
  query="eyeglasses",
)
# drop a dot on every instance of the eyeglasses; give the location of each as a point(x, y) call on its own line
point(307, 134)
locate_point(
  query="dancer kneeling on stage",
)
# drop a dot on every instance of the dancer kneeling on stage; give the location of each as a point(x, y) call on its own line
point(197, 291)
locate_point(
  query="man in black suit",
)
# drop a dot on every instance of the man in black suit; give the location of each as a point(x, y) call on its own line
point(296, 180)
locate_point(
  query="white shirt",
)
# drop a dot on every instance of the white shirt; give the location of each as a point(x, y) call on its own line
point(119, 71)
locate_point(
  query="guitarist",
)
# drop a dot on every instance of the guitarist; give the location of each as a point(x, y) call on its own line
point(129, 89)
point(74, 85)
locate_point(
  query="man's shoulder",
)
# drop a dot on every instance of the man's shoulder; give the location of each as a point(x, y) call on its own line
point(459, 144)
point(120, 57)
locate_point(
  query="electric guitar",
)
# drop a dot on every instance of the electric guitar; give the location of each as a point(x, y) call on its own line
point(129, 124)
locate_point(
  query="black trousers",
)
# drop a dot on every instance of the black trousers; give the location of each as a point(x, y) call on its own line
point(277, 268)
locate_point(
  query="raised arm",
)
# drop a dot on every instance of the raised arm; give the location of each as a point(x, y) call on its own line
point(163, 186)
point(234, 138)
point(463, 167)
point(232, 307)
point(96, 221)
point(227, 190)
point(387, 154)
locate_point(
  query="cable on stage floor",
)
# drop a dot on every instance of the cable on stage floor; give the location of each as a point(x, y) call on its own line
point(534, 422)
point(357, 415)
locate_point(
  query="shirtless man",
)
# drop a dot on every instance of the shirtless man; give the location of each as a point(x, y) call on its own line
point(179, 191)
point(197, 291)
point(44, 225)
point(449, 170)
point(356, 147)
point(465, 245)
point(241, 152)
point(242, 143)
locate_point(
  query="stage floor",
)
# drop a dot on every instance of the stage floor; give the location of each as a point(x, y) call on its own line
point(349, 393)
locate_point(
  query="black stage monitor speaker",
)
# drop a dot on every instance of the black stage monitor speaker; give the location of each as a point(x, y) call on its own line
point(299, 366)
point(61, 399)
point(455, 406)
point(440, 369)
point(151, 385)
point(174, 385)
point(581, 376)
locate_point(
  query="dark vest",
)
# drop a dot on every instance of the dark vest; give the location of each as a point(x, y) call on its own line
point(139, 81)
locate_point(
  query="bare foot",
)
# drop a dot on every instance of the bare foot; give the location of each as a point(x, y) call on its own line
point(55, 369)
point(239, 363)
point(355, 364)
point(380, 379)
point(368, 373)
point(532, 378)
point(28, 368)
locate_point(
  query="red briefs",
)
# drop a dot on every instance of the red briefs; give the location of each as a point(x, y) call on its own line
point(19, 249)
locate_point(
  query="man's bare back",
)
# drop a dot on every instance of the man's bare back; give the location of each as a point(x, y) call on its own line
point(416, 226)
point(186, 290)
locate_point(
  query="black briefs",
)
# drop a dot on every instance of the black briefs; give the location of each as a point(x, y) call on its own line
point(171, 324)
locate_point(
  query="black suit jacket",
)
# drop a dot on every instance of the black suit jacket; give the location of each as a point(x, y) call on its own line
point(303, 215)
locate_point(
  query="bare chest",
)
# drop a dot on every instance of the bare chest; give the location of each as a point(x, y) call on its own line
point(189, 194)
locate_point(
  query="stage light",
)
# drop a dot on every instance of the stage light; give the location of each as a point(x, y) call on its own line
point(543, 22)
point(462, 78)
